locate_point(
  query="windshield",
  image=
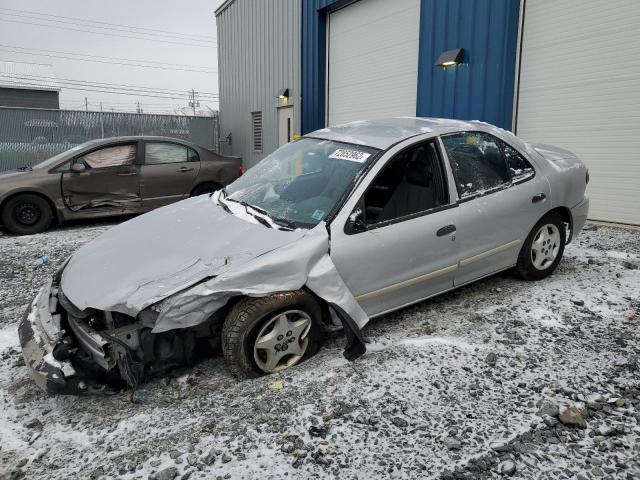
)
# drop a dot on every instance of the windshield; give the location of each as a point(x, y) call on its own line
point(302, 181)
point(52, 160)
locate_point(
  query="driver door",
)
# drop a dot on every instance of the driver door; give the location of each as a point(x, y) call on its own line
point(108, 182)
point(394, 241)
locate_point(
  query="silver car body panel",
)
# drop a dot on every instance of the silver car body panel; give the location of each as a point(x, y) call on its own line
point(188, 259)
point(199, 256)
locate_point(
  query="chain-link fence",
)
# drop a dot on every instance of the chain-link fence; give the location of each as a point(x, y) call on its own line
point(29, 135)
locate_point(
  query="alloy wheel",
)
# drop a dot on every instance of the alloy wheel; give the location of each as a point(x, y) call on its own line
point(545, 246)
point(282, 341)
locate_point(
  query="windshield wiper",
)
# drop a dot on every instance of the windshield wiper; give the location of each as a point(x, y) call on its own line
point(284, 222)
point(261, 211)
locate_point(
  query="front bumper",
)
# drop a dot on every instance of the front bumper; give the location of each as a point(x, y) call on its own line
point(40, 334)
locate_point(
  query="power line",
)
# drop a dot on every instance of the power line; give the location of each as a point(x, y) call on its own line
point(107, 23)
point(101, 91)
point(111, 35)
point(73, 81)
point(159, 65)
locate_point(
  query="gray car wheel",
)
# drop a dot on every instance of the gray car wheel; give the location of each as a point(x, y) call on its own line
point(26, 214)
point(543, 248)
point(270, 334)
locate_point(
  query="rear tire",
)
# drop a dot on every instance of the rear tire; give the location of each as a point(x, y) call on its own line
point(26, 214)
point(543, 248)
point(203, 188)
point(251, 339)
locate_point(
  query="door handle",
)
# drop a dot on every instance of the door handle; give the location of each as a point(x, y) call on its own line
point(446, 230)
point(538, 198)
point(185, 169)
point(128, 174)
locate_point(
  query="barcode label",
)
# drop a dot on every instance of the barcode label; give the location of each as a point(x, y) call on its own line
point(352, 155)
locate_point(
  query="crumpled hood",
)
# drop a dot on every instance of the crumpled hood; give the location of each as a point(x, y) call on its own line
point(153, 256)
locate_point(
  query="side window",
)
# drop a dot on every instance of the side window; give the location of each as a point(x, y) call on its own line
point(477, 163)
point(519, 167)
point(192, 155)
point(159, 153)
point(116, 156)
point(411, 182)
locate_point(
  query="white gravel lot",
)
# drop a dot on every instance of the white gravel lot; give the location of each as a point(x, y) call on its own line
point(455, 387)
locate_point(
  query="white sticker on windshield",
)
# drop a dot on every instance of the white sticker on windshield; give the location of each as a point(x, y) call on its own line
point(352, 155)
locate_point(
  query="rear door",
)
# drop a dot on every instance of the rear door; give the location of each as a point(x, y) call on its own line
point(168, 172)
point(405, 249)
point(110, 180)
point(501, 197)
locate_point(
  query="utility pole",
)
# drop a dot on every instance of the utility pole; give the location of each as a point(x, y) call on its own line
point(138, 108)
point(101, 121)
point(193, 101)
point(86, 104)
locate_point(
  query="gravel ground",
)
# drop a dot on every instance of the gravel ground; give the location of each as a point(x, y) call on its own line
point(500, 378)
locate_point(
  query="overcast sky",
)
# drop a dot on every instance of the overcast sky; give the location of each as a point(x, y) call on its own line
point(181, 33)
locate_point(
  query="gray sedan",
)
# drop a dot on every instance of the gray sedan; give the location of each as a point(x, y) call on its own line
point(346, 224)
point(107, 177)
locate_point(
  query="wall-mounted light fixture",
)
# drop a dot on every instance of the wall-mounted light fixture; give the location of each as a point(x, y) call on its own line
point(450, 58)
point(283, 97)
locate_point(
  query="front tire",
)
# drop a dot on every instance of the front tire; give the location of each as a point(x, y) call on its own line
point(543, 248)
point(269, 334)
point(26, 214)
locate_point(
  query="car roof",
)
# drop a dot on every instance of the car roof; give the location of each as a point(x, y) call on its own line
point(131, 138)
point(386, 132)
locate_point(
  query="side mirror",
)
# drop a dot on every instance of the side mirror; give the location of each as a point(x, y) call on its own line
point(78, 167)
point(356, 223)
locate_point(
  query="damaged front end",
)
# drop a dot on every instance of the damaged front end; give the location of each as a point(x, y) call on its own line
point(71, 351)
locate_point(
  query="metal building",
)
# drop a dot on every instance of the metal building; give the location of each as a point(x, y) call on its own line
point(259, 76)
point(563, 72)
point(29, 85)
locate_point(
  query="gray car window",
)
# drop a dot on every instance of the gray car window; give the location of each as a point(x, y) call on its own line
point(159, 153)
point(115, 156)
point(411, 182)
point(519, 167)
point(477, 163)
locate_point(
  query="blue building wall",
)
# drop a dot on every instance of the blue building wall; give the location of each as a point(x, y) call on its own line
point(479, 89)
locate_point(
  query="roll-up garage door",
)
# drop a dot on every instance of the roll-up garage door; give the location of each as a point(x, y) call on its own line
point(580, 89)
point(373, 60)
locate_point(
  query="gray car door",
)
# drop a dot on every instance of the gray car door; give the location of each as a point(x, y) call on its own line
point(394, 240)
point(501, 197)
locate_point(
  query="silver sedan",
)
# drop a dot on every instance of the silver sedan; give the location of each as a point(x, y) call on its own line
point(346, 224)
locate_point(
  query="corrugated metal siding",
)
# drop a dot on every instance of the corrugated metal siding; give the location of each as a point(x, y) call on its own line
point(580, 89)
point(258, 54)
point(482, 88)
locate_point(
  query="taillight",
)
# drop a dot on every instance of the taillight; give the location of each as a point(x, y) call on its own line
point(242, 173)
point(587, 176)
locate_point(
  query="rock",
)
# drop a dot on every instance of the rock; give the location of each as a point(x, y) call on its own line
point(452, 443)
point(507, 468)
point(32, 423)
point(320, 431)
point(499, 447)
point(550, 421)
point(572, 417)
point(630, 265)
point(167, 474)
point(399, 422)
point(226, 458)
point(491, 359)
point(21, 463)
point(578, 302)
point(548, 409)
point(287, 447)
point(606, 430)
point(192, 459)
point(210, 457)
point(155, 462)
